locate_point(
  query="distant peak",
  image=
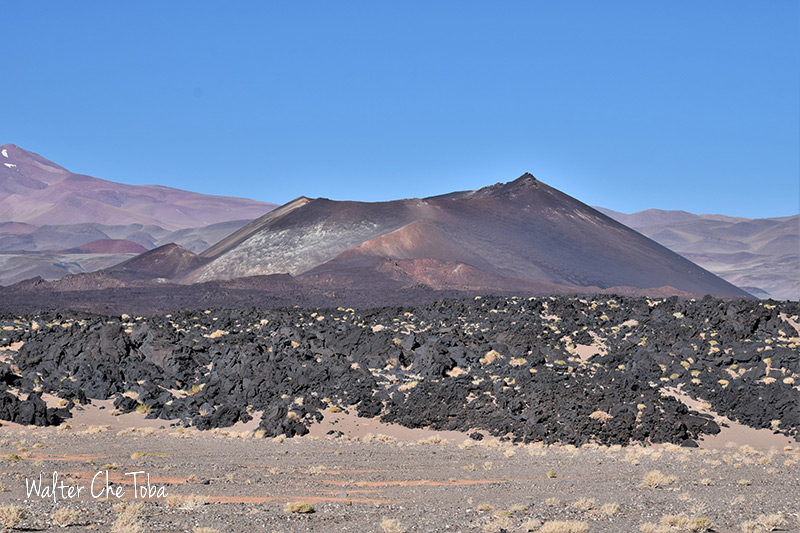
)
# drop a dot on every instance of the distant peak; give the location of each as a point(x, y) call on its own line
point(22, 156)
point(526, 182)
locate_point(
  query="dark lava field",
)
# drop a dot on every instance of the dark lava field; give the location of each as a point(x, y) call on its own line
point(552, 369)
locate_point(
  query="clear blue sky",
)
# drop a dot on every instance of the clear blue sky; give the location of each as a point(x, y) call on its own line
point(629, 105)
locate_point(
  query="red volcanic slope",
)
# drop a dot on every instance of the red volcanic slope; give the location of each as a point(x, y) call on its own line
point(36, 191)
point(107, 246)
point(523, 234)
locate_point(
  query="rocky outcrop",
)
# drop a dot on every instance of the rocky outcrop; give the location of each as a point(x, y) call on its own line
point(553, 369)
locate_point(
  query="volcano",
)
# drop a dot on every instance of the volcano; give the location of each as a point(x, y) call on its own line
point(523, 234)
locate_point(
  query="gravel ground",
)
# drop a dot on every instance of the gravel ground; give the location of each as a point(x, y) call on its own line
point(232, 481)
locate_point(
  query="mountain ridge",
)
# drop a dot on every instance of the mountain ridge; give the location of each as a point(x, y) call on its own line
point(40, 192)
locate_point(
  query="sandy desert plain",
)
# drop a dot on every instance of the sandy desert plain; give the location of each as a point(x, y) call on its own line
point(379, 477)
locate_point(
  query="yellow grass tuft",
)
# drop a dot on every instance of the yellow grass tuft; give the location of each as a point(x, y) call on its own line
point(531, 524)
point(655, 479)
point(585, 504)
point(569, 526)
point(699, 525)
point(129, 520)
point(392, 525)
point(601, 416)
point(12, 515)
point(65, 516)
point(771, 522)
point(298, 507)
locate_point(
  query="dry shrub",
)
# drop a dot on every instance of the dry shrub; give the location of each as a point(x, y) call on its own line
point(298, 507)
point(96, 429)
point(771, 522)
point(128, 520)
point(65, 516)
point(433, 439)
point(192, 502)
point(173, 500)
point(699, 525)
point(12, 515)
point(497, 525)
point(602, 416)
point(568, 526)
point(656, 478)
point(750, 526)
point(490, 357)
point(531, 525)
point(610, 509)
point(676, 521)
point(127, 524)
point(392, 525)
point(199, 529)
point(585, 504)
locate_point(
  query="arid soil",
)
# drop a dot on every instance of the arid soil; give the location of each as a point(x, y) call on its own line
point(555, 414)
point(230, 481)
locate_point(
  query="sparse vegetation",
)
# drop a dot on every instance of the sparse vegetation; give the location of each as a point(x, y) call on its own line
point(143, 409)
point(568, 526)
point(610, 509)
point(531, 524)
point(65, 516)
point(771, 522)
point(585, 504)
point(656, 478)
point(750, 526)
point(674, 521)
point(601, 416)
point(192, 502)
point(497, 525)
point(12, 515)
point(139, 455)
point(129, 518)
point(298, 507)
point(392, 525)
point(699, 525)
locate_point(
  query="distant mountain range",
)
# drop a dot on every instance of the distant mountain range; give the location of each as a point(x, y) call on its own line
point(54, 222)
point(518, 236)
point(761, 256)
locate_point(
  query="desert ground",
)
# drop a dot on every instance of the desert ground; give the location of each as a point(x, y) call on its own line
point(551, 415)
point(362, 475)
